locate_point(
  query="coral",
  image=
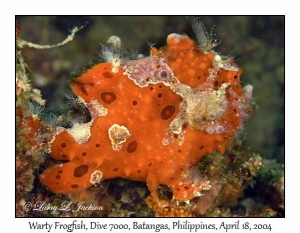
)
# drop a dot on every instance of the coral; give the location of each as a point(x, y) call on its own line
point(33, 134)
point(152, 119)
point(117, 197)
point(271, 182)
point(29, 146)
point(223, 178)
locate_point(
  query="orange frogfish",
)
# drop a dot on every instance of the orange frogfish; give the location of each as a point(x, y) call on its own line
point(153, 119)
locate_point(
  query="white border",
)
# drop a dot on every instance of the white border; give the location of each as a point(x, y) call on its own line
point(8, 11)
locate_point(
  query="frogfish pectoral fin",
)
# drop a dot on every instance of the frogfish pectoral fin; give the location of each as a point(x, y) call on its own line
point(71, 177)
